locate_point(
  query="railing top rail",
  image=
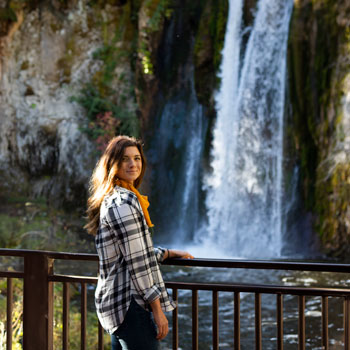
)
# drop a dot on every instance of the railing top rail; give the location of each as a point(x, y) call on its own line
point(218, 263)
point(53, 255)
point(261, 264)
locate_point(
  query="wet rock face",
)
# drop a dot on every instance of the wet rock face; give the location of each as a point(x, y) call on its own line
point(319, 68)
point(36, 160)
point(45, 56)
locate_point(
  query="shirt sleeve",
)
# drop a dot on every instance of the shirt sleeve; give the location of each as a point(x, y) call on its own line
point(126, 223)
point(159, 253)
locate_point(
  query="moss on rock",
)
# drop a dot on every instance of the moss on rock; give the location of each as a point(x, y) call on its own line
point(209, 42)
point(318, 64)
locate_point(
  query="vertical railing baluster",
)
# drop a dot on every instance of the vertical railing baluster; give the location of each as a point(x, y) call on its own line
point(194, 319)
point(325, 322)
point(301, 326)
point(279, 322)
point(9, 314)
point(65, 315)
point(258, 341)
point(83, 315)
point(237, 326)
point(347, 323)
point(344, 321)
point(37, 302)
point(215, 313)
point(175, 322)
point(100, 336)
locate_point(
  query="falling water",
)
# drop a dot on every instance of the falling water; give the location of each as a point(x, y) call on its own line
point(244, 190)
point(179, 147)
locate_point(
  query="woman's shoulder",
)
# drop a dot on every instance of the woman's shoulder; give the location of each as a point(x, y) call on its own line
point(120, 197)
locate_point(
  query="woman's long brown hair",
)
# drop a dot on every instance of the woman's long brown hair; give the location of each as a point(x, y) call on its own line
point(104, 177)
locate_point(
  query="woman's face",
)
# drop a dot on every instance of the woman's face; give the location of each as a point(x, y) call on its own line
point(130, 166)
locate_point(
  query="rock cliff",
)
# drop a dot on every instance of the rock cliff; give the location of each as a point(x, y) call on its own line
point(319, 68)
point(45, 55)
point(66, 63)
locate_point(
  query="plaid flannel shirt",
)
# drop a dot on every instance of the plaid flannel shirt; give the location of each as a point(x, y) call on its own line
point(128, 262)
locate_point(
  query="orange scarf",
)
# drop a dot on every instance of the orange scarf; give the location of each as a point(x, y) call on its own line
point(142, 199)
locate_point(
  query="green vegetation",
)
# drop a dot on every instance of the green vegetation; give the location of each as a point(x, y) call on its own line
point(106, 97)
point(157, 11)
point(7, 14)
point(211, 31)
point(333, 207)
point(17, 313)
point(30, 224)
point(209, 43)
point(105, 118)
point(317, 68)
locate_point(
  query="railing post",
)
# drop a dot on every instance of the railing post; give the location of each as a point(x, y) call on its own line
point(37, 303)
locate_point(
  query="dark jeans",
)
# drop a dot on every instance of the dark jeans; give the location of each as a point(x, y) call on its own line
point(137, 332)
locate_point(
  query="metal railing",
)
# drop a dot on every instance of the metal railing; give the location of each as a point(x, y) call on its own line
point(38, 278)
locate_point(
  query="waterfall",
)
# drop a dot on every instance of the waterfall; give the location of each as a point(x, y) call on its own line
point(178, 146)
point(244, 189)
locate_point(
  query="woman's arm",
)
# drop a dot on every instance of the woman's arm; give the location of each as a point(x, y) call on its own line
point(160, 319)
point(173, 253)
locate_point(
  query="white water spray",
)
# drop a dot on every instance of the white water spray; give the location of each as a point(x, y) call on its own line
point(244, 191)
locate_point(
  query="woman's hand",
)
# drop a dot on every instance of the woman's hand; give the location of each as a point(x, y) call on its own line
point(172, 253)
point(160, 320)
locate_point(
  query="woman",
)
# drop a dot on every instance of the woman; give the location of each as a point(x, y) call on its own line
point(130, 287)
